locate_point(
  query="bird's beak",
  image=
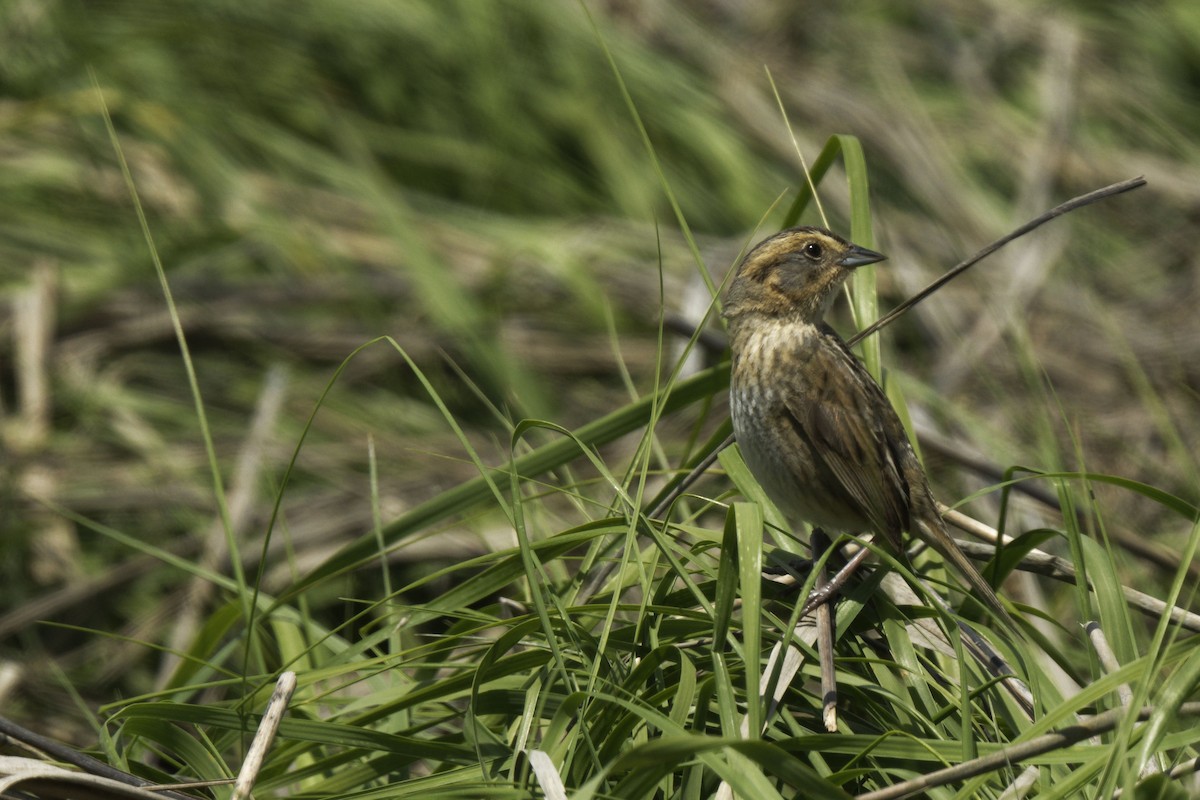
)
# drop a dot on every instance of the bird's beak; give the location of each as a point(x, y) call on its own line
point(860, 256)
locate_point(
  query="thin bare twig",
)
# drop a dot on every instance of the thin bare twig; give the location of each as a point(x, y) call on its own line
point(1042, 563)
point(1108, 659)
point(1072, 204)
point(68, 755)
point(1140, 546)
point(276, 707)
point(1007, 756)
point(820, 543)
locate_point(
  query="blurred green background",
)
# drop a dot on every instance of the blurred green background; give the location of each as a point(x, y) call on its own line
point(466, 176)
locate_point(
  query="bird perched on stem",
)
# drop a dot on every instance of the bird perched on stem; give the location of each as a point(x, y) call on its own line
point(812, 424)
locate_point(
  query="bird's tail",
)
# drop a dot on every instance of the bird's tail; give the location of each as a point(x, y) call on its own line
point(936, 535)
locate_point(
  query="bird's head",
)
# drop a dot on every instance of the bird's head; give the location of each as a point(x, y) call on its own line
point(794, 274)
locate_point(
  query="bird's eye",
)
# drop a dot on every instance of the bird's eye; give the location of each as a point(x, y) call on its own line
point(812, 250)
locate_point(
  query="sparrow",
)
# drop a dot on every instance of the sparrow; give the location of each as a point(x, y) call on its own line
point(814, 427)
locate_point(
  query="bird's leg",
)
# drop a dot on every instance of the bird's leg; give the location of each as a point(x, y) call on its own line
point(797, 569)
point(821, 595)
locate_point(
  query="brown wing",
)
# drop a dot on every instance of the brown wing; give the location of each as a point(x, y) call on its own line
point(852, 428)
point(854, 431)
